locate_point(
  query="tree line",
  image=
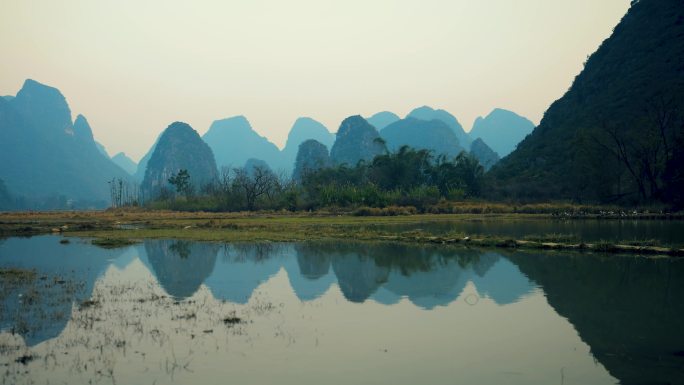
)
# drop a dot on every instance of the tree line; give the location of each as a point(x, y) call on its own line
point(407, 177)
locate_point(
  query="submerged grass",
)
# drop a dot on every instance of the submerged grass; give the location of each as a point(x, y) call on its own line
point(17, 275)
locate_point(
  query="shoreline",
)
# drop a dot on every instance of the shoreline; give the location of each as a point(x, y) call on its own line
point(117, 228)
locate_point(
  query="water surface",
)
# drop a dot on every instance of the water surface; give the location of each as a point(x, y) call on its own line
point(168, 311)
point(664, 232)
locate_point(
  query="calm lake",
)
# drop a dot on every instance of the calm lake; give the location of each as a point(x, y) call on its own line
point(664, 232)
point(167, 311)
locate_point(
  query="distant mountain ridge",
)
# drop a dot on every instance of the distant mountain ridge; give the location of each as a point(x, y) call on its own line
point(484, 154)
point(39, 121)
point(502, 130)
point(428, 113)
point(304, 129)
point(383, 119)
point(433, 135)
point(234, 141)
point(126, 163)
point(232, 137)
point(46, 158)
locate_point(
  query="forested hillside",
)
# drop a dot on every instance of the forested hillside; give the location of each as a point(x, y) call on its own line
point(616, 135)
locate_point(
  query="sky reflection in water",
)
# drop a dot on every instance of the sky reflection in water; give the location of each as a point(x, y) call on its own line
point(336, 313)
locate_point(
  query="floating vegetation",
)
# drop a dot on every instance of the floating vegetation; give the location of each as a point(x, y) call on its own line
point(113, 243)
point(186, 317)
point(113, 320)
point(17, 275)
point(25, 359)
point(87, 304)
point(232, 320)
point(554, 238)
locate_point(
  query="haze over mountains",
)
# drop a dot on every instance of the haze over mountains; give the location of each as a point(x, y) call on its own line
point(48, 161)
point(383, 119)
point(304, 129)
point(501, 130)
point(433, 135)
point(428, 114)
point(234, 140)
point(614, 136)
point(126, 163)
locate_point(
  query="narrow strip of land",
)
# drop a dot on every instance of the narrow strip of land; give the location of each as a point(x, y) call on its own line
point(119, 228)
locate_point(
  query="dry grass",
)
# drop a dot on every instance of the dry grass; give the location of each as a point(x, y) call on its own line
point(113, 228)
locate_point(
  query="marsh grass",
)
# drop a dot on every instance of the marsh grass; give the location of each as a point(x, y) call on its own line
point(113, 243)
point(118, 228)
point(556, 238)
point(118, 319)
point(604, 246)
point(384, 211)
point(644, 242)
point(17, 275)
point(27, 223)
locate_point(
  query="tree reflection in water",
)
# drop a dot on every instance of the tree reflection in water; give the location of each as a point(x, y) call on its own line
point(628, 310)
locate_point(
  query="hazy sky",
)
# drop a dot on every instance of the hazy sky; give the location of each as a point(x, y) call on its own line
point(134, 66)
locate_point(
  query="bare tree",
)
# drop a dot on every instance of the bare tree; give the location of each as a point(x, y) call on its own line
point(644, 152)
point(255, 184)
point(123, 193)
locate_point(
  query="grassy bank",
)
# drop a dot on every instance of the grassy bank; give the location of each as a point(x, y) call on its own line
point(116, 228)
point(88, 221)
point(326, 233)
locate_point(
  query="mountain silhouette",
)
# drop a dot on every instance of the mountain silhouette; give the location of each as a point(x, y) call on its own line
point(612, 108)
point(43, 154)
point(233, 141)
point(312, 156)
point(126, 163)
point(428, 114)
point(483, 153)
point(382, 119)
point(502, 130)
point(356, 141)
point(433, 135)
point(179, 147)
point(304, 129)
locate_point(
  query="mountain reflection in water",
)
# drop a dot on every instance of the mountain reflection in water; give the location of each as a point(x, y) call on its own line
point(628, 310)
